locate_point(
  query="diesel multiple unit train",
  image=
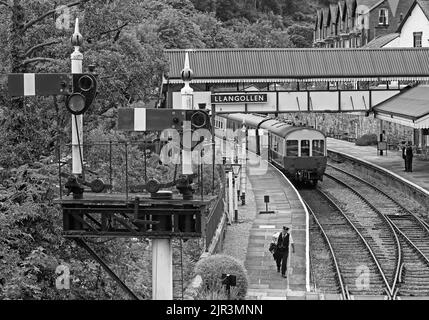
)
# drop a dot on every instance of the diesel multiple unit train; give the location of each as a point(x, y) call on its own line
point(299, 151)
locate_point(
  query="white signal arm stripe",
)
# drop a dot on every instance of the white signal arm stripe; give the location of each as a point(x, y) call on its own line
point(140, 119)
point(29, 84)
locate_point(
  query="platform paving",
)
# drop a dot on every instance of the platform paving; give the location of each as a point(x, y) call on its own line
point(392, 160)
point(265, 283)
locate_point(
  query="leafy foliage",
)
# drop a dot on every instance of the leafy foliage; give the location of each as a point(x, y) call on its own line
point(212, 268)
point(369, 139)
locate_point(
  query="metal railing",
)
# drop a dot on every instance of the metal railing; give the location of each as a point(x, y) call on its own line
point(124, 164)
point(216, 210)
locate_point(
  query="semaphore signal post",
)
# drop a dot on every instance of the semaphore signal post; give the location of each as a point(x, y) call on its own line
point(148, 213)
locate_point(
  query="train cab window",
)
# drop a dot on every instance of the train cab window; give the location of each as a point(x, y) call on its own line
point(305, 148)
point(318, 148)
point(291, 148)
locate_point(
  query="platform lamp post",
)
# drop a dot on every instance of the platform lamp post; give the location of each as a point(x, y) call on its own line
point(236, 167)
point(243, 176)
point(228, 171)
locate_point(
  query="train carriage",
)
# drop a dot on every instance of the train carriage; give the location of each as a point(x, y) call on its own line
point(299, 151)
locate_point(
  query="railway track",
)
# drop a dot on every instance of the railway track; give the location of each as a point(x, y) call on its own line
point(412, 233)
point(372, 224)
point(351, 254)
point(326, 275)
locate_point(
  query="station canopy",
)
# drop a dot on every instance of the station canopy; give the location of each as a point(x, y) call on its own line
point(409, 108)
point(299, 65)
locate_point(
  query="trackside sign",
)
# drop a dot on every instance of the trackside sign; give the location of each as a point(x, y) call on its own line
point(239, 98)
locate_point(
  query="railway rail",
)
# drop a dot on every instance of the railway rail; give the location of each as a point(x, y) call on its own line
point(326, 274)
point(348, 248)
point(411, 233)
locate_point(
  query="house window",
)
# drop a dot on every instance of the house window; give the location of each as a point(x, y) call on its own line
point(417, 39)
point(383, 17)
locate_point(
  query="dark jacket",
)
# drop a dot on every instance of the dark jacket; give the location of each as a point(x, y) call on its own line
point(283, 242)
point(409, 152)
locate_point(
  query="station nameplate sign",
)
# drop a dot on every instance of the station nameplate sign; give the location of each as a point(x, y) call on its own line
point(239, 98)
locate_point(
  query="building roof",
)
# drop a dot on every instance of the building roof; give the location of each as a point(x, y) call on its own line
point(334, 12)
point(316, 22)
point(423, 4)
point(342, 9)
point(351, 7)
point(326, 17)
point(319, 18)
point(381, 41)
point(410, 107)
point(369, 3)
point(290, 65)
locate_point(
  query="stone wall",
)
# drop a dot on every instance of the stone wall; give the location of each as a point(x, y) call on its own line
point(355, 125)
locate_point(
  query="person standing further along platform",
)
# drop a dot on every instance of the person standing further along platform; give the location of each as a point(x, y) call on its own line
point(285, 239)
point(403, 157)
point(409, 158)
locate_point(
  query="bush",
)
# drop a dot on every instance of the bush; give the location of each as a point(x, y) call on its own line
point(211, 269)
point(367, 140)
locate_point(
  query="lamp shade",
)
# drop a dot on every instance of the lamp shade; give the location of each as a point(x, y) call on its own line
point(236, 167)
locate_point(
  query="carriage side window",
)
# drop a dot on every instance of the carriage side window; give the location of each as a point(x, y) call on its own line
point(318, 148)
point(280, 148)
point(275, 144)
point(305, 148)
point(291, 148)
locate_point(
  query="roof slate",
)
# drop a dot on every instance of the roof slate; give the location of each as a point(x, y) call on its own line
point(412, 103)
point(381, 41)
point(334, 12)
point(326, 17)
point(424, 4)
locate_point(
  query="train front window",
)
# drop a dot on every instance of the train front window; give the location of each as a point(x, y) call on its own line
point(305, 148)
point(291, 148)
point(318, 148)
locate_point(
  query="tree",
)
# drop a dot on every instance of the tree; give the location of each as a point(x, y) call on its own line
point(301, 35)
point(176, 30)
point(214, 35)
point(27, 36)
point(227, 9)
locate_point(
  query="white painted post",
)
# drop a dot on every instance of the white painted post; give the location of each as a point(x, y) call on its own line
point(162, 269)
point(77, 131)
point(187, 103)
point(231, 196)
point(162, 255)
point(243, 163)
point(236, 182)
point(187, 92)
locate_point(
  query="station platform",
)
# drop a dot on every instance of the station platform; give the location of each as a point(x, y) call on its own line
point(265, 283)
point(391, 161)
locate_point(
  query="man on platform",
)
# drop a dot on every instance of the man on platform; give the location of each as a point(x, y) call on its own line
point(409, 158)
point(282, 253)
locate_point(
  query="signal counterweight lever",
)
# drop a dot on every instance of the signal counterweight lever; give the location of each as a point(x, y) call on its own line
point(73, 186)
